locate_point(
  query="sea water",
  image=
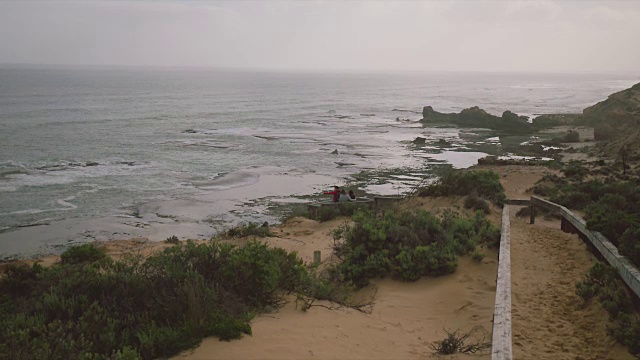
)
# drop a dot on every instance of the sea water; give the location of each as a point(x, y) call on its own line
point(203, 146)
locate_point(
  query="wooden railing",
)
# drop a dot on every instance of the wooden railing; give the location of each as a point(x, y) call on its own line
point(573, 223)
point(501, 339)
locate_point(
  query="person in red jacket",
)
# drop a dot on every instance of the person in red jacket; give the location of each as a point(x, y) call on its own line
point(335, 193)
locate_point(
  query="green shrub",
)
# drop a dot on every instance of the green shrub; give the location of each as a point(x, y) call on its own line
point(407, 244)
point(85, 253)
point(630, 244)
point(603, 282)
point(474, 202)
point(608, 216)
point(330, 212)
point(172, 240)
point(574, 170)
point(248, 229)
point(571, 137)
point(483, 183)
point(141, 309)
point(477, 255)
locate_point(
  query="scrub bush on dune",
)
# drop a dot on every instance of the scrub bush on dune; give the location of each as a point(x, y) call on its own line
point(137, 308)
point(407, 244)
point(483, 183)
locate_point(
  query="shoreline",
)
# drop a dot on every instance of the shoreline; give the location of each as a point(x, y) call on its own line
point(267, 197)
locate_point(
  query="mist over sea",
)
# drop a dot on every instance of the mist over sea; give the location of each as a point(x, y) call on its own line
point(168, 151)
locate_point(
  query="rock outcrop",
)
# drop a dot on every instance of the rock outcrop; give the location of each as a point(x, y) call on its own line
point(509, 123)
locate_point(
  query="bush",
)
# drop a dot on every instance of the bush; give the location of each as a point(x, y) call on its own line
point(484, 183)
point(330, 212)
point(609, 217)
point(602, 281)
point(630, 244)
point(172, 240)
point(575, 171)
point(135, 309)
point(407, 245)
point(476, 203)
point(477, 255)
point(248, 229)
point(85, 253)
point(571, 137)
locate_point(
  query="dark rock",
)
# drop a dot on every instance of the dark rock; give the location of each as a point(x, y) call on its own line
point(509, 123)
point(92, 163)
point(336, 152)
point(419, 140)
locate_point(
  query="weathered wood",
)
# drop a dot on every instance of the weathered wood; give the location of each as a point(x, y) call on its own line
point(317, 257)
point(574, 223)
point(518, 202)
point(532, 219)
point(501, 348)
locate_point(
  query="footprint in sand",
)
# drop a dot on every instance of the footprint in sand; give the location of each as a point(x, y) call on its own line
point(463, 307)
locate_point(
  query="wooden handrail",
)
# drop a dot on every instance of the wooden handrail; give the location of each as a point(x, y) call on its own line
point(501, 345)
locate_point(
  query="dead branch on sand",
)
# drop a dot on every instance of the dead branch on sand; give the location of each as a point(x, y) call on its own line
point(455, 342)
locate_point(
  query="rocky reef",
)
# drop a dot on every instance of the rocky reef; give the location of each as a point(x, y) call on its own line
point(509, 122)
point(551, 120)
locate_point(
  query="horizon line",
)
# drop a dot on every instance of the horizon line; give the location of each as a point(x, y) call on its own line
point(315, 70)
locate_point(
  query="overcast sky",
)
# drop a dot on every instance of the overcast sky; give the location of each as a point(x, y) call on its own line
point(535, 36)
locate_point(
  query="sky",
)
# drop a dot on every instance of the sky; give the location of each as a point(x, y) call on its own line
point(384, 36)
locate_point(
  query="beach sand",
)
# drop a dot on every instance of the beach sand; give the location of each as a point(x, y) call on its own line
point(406, 319)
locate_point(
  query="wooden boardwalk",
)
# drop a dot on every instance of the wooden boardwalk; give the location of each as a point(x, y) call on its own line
point(537, 314)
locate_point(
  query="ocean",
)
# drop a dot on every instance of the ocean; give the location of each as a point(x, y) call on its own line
point(100, 153)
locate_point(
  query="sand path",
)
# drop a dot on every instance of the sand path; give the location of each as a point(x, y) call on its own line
point(549, 320)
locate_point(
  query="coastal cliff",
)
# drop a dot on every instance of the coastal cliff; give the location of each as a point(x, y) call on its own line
point(617, 120)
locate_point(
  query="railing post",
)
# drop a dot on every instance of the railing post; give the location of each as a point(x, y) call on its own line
point(532, 220)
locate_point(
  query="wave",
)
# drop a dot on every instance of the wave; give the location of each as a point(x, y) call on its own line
point(66, 172)
point(229, 181)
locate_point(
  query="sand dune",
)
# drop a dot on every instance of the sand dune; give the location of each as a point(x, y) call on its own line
point(406, 319)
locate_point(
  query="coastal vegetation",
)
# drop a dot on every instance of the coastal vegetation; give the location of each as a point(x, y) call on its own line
point(602, 282)
point(93, 307)
point(610, 201)
point(407, 244)
point(478, 183)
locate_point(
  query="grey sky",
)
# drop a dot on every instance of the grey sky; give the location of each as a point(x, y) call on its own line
point(545, 36)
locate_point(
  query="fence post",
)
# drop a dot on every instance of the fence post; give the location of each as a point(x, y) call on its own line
point(532, 220)
point(316, 257)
